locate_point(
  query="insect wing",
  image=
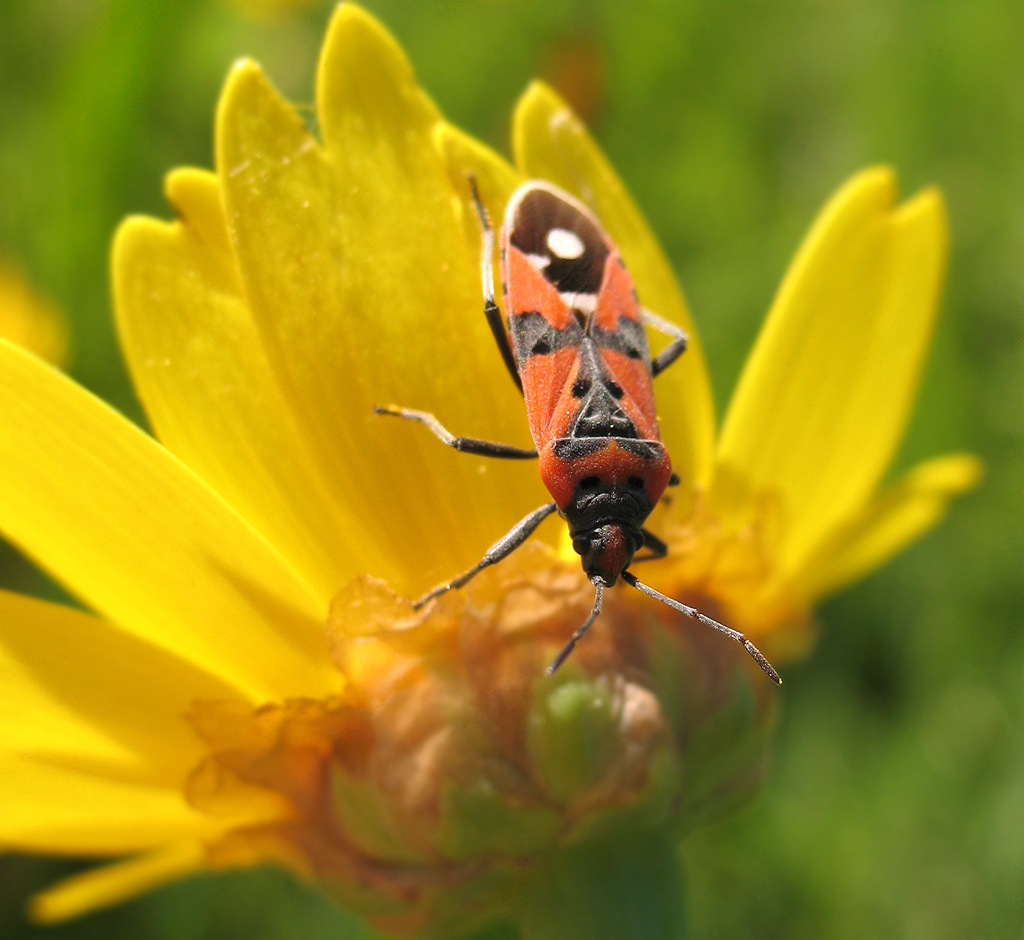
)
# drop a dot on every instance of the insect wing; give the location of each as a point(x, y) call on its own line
point(618, 330)
point(564, 279)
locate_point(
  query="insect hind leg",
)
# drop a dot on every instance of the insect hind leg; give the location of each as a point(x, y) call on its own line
point(674, 349)
point(466, 445)
point(491, 310)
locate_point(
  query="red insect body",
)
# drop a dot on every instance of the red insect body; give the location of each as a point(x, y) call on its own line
point(581, 351)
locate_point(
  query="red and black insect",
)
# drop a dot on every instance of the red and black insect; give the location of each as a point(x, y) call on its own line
point(576, 347)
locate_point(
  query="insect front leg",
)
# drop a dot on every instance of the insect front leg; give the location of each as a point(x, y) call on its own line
point(656, 548)
point(504, 547)
point(674, 349)
point(466, 445)
point(491, 310)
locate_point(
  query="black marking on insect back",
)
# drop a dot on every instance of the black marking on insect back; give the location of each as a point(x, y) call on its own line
point(539, 214)
point(628, 338)
point(600, 416)
point(572, 448)
point(599, 413)
point(533, 335)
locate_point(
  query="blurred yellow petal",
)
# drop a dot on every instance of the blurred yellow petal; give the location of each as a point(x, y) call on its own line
point(112, 884)
point(77, 691)
point(496, 180)
point(48, 807)
point(200, 370)
point(30, 321)
point(894, 519)
point(825, 395)
point(551, 143)
point(351, 317)
point(139, 538)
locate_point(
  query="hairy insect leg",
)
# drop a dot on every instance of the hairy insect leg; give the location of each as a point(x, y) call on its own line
point(583, 627)
point(674, 349)
point(466, 445)
point(504, 547)
point(491, 311)
point(754, 652)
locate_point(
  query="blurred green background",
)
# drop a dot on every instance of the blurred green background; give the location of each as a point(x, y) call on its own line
point(895, 807)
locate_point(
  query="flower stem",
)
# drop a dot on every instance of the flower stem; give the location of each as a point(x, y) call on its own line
point(624, 887)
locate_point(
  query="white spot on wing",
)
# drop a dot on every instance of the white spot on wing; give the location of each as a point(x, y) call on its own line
point(565, 244)
point(585, 303)
point(540, 262)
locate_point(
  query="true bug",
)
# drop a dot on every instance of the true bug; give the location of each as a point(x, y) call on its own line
point(576, 347)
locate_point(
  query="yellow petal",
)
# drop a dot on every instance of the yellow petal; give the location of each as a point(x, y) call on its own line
point(893, 520)
point(825, 396)
point(140, 539)
point(496, 179)
point(208, 388)
point(29, 321)
point(551, 143)
point(112, 884)
point(81, 693)
point(52, 809)
point(364, 283)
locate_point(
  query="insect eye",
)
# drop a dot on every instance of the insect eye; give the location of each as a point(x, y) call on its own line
point(581, 544)
point(635, 483)
point(589, 483)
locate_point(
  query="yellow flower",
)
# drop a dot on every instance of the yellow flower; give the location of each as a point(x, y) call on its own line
point(245, 691)
point(30, 321)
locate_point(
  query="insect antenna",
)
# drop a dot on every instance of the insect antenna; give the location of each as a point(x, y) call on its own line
point(754, 652)
point(575, 638)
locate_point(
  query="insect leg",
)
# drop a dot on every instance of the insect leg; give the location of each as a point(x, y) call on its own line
point(467, 445)
point(504, 547)
point(491, 310)
point(654, 545)
point(674, 349)
point(656, 548)
point(583, 628)
point(754, 652)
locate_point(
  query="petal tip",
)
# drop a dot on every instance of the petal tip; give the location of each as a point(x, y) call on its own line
point(465, 156)
point(541, 93)
point(541, 102)
point(874, 189)
point(244, 75)
point(363, 70)
point(956, 473)
point(243, 67)
point(927, 207)
point(354, 32)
